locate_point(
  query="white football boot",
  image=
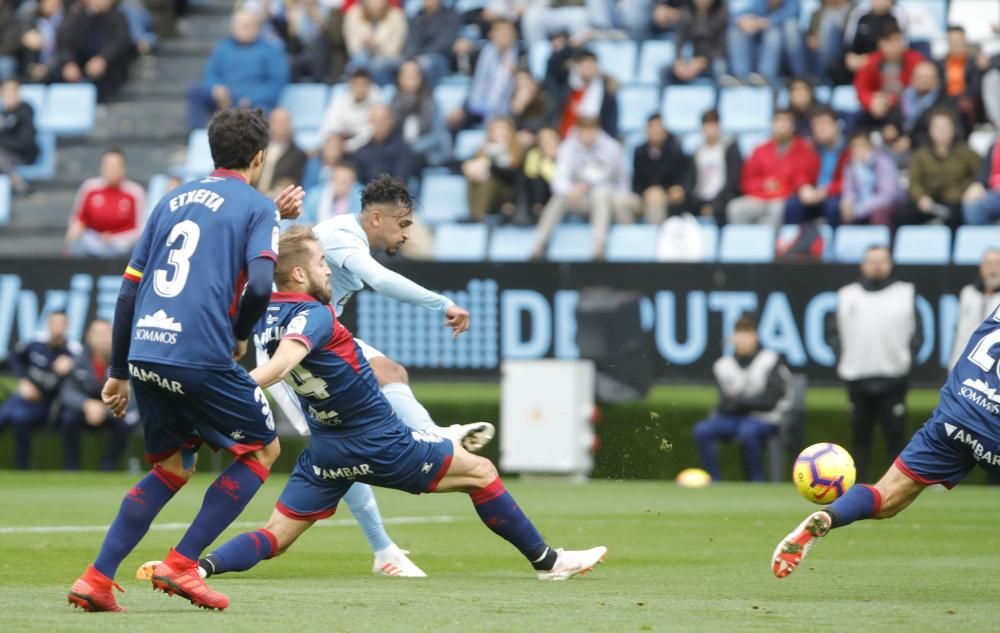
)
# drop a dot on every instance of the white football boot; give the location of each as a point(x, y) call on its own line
point(392, 561)
point(570, 563)
point(473, 437)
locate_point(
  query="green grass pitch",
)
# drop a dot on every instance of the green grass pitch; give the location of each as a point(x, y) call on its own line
point(680, 560)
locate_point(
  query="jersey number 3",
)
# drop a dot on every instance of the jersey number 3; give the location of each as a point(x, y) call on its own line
point(183, 240)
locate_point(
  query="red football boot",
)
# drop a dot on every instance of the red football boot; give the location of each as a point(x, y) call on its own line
point(92, 592)
point(178, 575)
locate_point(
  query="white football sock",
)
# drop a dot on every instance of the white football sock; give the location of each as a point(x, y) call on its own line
point(410, 411)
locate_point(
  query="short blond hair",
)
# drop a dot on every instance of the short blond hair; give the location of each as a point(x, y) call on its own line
point(293, 252)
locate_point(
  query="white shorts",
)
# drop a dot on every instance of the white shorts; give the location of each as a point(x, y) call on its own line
point(368, 351)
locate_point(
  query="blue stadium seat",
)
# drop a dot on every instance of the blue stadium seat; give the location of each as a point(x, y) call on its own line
point(468, 142)
point(845, 99)
point(309, 140)
point(691, 142)
point(653, 57)
point(386, 93)
point(199, 155)
point(34, 95)
point(635, 104)
point(335, 91)
point(450, 97)
point(822, 96)
point(44, 168)
point(632, 243)
point(4, 199)
point(749, 141)
point(617, 58)
point(157, 189)
point(442, 199)
point(571, 243)
point(850, 242)
point(306, 103)
point(460, 242)
point(805, 14)
point(538, 58)
point(710, 242)
point(684, 105)
point(511, 243)
point(70, 109)
point(927, 18)
point(746, 243)
point(745, 108)
point(922, 245)
point(972, 241)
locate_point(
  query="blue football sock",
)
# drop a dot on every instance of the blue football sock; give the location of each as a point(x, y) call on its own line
point(500, 513)
point(240, 553)
point(138, 509)
point(361, 500)
point(224, 500)
point(860, 502)
point(407, 407)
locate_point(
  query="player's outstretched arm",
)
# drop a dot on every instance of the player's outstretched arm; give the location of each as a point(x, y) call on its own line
point(289, 354)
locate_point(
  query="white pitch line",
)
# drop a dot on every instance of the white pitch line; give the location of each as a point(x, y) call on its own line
point(164, 527)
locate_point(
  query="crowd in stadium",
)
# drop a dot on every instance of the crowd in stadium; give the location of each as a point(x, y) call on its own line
point(548, 119)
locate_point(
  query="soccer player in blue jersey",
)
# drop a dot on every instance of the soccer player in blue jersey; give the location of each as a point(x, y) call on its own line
point(180, 322)
point(963, 431)
point(356, 436)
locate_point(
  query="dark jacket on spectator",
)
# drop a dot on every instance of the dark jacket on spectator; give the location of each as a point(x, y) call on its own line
point(291, 166)
point(84, 35)
point(608, 115)
point(83, 383)
point(432, 32)
point(666, 167)
point(10, 34)
point(943, 179)
point(919, 131)
point(391, 156)
point(17, 133)
point(706, 34)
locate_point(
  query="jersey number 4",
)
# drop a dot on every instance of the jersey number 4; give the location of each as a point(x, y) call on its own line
point(183, 240)
point(307, 385)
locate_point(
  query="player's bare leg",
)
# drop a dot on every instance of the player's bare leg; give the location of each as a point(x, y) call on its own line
point(496, 508)
point(890, 496)
point(395, 384)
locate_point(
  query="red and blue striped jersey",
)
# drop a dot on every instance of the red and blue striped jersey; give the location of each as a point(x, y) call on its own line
point(971, 396)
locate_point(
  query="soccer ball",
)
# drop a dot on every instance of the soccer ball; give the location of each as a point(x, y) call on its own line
point(693, 478)
point(823, 472)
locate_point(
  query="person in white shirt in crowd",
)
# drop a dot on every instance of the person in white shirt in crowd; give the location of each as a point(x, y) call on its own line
point(338, 195)
point(349, 113)
point(717, 168)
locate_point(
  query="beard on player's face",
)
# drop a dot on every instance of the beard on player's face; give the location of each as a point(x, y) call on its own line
point(320, 290)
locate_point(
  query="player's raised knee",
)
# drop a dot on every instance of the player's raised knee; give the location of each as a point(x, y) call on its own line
point(483, 472)
point(388, 371)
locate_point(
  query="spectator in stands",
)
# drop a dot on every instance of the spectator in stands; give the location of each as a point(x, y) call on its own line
point(490, 174)
point(80, 404)
point(662, 174)
point(865, 24)
point(10, 42)
point(140, 25)
point(702, 25)
point(331, 47)
point(880, 82)
point(910, 118)
point(940, 175)
point(93, 44)
point(990, 90)
point(962, 77)
point(718, 167)
point(802, 102)
point(977, 301)
point(774, 171)
point(338, 195)
point(319, 167)
point(431, 35)
point(529, 106)
point(39, 366)
point(539, 171)
point(591, 179)
point(876, 333)
point(587, 94)
point(754, 396)
point(284, 162)
point(375, 32)
point(244, 70)
point(39, 39)
point(759, 32)
point(870, 192)
point(981, 202)
point(302, 31)
point(541, 17)
point(386, 152)
point(17, 134)
point(821, 198)
point(414, 109)
point(107, 214)
point(825, 35)
point(349, 112)
point(492, 81)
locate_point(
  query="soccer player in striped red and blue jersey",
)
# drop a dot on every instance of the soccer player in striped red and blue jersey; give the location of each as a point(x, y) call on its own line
point(198, 280)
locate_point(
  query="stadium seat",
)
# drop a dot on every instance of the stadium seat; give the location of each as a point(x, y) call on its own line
point(749, 141)
point(4, 199)
point(511, 244)
point(306, 103)
point(571, 243)
point(654, 56)
point(922, 245)
point(538, 58)
point(70, 109)
point(199, 155)
point(335, 91)
point(972, 241)
point(926, 19)
point(710, 242)
point(44, 167)
point(617, 58)
point(442, 199)
point(745, 108)
point(850, 242)
point(691, 142)
point(684, 105)
point(468, 142)
point(309, 140)
point(635, 104)
point(460, 242)
point(34, 95)
point(845, 99)
point(386, 93)
point(788, 233)
point(981, 141)
point(746, 243)
point(449, 97)
point(632, 243)
point(157, 189)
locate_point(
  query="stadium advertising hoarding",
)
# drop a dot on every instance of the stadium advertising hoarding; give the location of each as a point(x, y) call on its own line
point(527, 311)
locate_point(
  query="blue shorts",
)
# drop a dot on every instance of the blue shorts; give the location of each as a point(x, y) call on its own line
point(390, 456)
point(943, 452)
point(181, 408)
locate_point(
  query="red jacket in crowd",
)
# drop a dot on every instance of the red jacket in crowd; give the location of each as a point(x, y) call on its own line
point(769, 174)
point(868, 79)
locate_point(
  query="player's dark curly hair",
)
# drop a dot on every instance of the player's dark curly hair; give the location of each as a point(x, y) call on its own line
point(386, 190)
point(235, 135)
